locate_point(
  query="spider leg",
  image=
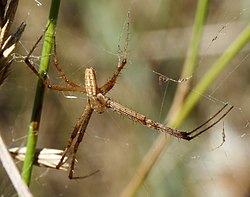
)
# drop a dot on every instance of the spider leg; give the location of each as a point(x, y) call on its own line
point(78, 125)
point(87, 114)
point(140, 118)
point(210, 126)
point(211, 118)
point(42, 76)
point(59, 69)
point(110, 84)
point(29, 64)
point(137, 117)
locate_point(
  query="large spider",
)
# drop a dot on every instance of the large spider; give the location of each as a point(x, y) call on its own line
point(98, 101)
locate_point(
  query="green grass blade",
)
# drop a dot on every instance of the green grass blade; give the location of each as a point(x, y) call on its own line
point(194, 47)
point(188, 69)
point(191, 60)
point(37, 106)
point(190, 102)
point(212, 74)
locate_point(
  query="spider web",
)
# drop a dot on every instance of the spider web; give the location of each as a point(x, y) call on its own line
point(113, 144)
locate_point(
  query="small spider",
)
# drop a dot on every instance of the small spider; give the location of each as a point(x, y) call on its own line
point(98, 101)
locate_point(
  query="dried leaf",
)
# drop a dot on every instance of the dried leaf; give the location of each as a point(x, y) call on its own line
point(8, 42)
point(45, 157)
point(2, 11)
point(10, 14)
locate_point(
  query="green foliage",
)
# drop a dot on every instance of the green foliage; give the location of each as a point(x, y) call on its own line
point(38, 102)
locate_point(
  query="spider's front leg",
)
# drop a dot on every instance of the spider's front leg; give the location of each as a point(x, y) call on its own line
point(87, 115)
point(142, 119)
point(72, 137)
point(81, 126)
point(189, 134)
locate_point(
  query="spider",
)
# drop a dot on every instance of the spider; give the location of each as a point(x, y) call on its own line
point(98, 102)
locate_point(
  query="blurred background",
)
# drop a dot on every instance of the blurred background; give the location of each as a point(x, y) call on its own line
point(88, 34)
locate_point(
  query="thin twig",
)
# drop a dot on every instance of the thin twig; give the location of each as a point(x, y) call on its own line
point(12, 171)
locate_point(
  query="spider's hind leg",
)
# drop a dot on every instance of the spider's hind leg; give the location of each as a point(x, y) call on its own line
point(59, 68)
point(28, 62)
point(43, 75)
point(121, 63)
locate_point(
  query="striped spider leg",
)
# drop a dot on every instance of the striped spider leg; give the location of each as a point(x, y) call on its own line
point(98, 101)
point(43, 76)
point(93, 104)
point(90, 89)
point(140, 118)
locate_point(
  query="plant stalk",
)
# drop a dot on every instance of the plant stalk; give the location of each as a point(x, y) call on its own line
point(38, 102)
